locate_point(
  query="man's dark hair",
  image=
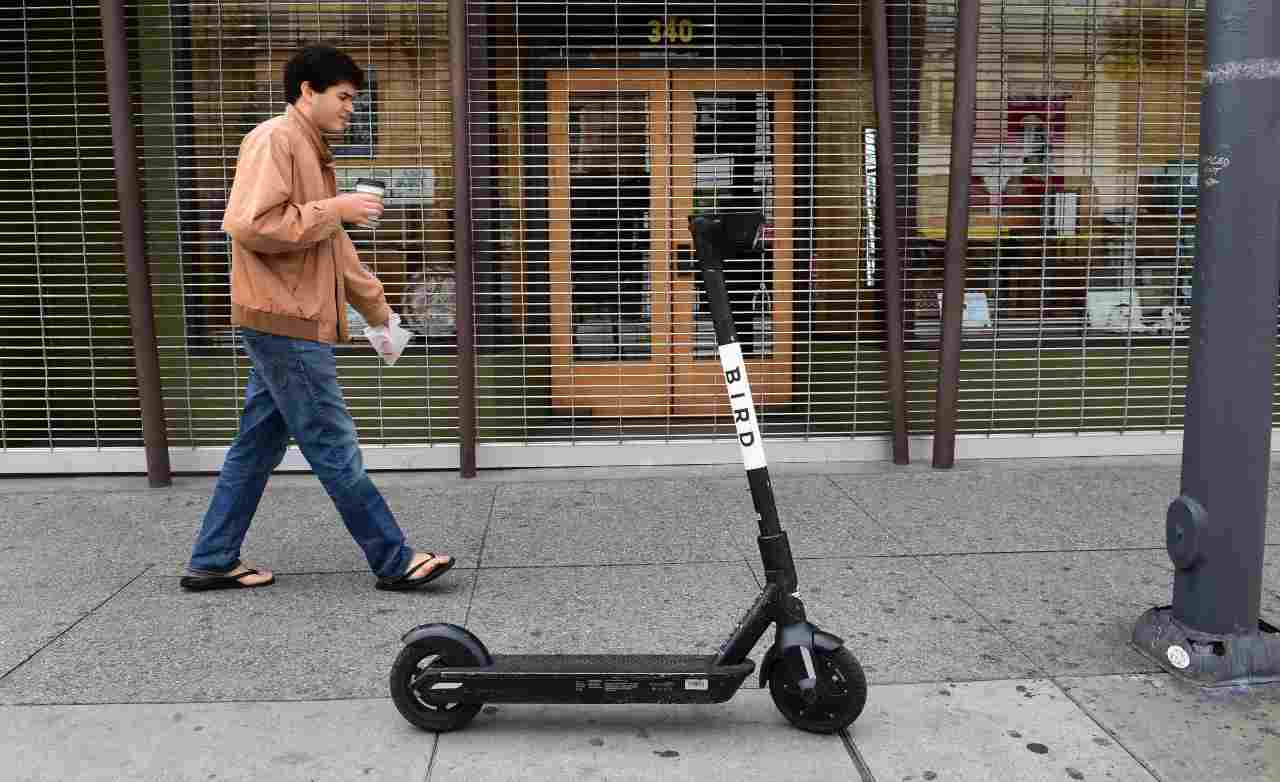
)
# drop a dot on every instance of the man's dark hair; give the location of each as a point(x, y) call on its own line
point(321, 65)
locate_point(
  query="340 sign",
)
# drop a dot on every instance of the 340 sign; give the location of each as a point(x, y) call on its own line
point(672, 30)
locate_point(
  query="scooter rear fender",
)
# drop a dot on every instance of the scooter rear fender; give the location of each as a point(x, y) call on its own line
point(449, 633)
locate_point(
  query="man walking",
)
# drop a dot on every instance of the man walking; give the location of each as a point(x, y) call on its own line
point(293, 270)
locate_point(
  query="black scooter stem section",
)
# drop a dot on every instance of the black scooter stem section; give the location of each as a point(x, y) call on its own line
point(762, 499)
point(716, 236)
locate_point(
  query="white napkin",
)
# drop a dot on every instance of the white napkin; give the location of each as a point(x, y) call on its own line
point(388, 339)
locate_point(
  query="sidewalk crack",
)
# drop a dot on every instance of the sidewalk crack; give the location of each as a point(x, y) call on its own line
point(76, 623)
point(1107, 731)
point(431, 759)
point(871, 516)
point(1041, 671)
point(859, 762)
point(484, 539)
point(947, 588)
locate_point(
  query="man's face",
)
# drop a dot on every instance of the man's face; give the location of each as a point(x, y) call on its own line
point(330, 110)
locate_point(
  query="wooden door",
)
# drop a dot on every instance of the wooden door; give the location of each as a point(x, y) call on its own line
point(608, 201)
point(633, 153)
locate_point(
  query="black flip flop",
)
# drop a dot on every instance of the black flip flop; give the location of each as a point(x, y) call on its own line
point(407, 581)
point(226, 581)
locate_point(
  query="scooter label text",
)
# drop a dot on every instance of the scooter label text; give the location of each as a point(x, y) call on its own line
point(744, 411)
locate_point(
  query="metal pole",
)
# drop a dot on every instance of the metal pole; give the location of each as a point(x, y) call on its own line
point(906, 23)
point(887, 200)
point(963, 123)
point(481, 117)
point(463, 267)
point(155, 435)
point(1216, 528)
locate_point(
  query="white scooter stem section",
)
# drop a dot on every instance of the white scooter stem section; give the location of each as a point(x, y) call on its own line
point(744, 410)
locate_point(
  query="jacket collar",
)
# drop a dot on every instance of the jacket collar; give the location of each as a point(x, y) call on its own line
point(312, 133)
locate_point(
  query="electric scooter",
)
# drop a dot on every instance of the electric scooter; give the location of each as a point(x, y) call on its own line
point(444, 674)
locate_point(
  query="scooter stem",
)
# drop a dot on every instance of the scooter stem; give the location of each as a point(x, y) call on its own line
point(715, 236)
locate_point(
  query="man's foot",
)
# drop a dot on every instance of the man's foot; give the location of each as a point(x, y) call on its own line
point(424, 568)
point(242, 576)
point(431, 560)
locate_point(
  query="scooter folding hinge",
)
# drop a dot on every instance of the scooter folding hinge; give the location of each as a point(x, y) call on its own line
point(775, 550)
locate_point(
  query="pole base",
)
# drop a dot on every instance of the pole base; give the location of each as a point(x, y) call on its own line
point(1207, 659)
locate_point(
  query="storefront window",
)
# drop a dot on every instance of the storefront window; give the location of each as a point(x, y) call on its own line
point(609, 200)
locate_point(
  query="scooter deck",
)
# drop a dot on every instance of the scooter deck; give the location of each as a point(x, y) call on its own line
point(628, 678)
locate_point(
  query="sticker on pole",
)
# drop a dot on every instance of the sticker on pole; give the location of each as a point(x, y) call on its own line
point(744, 411)
point(1178, 657)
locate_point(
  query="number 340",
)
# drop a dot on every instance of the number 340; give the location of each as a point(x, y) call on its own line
point(674, 30)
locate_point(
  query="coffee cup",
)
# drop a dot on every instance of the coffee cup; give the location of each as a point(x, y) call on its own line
point(376, 187)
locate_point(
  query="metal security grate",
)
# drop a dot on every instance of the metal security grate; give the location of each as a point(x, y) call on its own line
point(209, 72)
point(598, 130)
point(66, 364)
point(1083, 214)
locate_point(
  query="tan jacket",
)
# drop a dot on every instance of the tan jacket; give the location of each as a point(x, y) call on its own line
point(293, 267)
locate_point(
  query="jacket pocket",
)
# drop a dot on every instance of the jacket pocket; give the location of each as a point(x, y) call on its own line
point(289, 270)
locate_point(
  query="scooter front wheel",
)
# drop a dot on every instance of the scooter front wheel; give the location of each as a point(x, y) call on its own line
point(408, 668)
point(845, 694)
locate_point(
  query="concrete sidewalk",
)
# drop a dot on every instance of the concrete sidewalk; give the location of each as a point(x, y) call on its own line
point(991, 607)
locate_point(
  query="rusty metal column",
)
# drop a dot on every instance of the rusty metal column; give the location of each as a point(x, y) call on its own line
point(464, 278)
point(907, 21)
point(155, 435)
point(1215, 531)
point(887, 199)
point(963, 125)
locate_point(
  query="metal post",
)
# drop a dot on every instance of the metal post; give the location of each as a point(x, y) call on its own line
point(155, 435)
point(887, 199)
point(963, 125)
point(906, 35)
point(481, 118)
point(1215, 530)
point(463, 266)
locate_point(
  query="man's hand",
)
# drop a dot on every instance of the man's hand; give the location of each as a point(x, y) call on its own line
point(388, 339)
point(380, 339)
point(357, 208)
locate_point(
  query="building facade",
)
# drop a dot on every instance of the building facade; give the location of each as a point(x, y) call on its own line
point(592, 133)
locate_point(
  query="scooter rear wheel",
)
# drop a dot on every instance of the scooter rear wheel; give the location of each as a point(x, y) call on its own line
point(846, 693)
point(408, 668)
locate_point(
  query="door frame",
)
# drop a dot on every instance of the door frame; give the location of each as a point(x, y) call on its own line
point(670, 382)
point(598, 385)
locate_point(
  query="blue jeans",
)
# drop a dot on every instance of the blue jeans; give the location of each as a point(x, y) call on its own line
point(293, 390)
